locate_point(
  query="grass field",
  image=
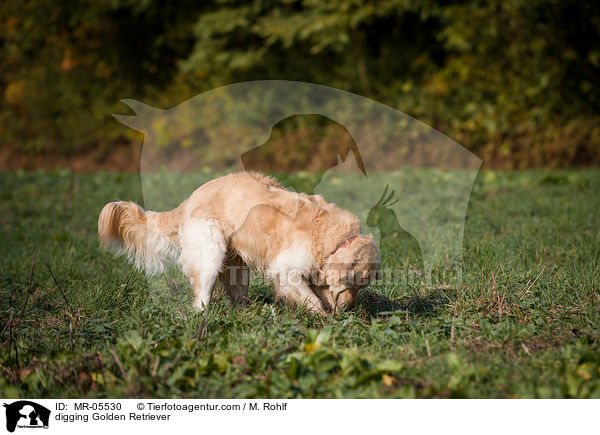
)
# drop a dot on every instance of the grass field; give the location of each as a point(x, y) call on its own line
point(524, 323)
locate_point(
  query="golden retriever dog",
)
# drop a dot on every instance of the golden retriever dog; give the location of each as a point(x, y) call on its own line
point(312, 251)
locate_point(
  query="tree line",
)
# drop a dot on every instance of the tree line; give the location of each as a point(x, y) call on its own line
point(514, 81)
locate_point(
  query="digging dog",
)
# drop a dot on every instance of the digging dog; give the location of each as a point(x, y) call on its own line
point(312, 251)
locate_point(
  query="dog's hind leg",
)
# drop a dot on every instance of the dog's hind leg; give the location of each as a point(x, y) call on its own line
point(234, 278)
point(203, 249)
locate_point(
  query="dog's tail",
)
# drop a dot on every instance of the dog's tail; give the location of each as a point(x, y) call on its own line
point(147, 238)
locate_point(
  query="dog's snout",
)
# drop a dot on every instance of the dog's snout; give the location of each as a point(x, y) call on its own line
point(344, 299)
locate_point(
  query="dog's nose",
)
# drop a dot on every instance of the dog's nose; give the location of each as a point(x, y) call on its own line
point(345, 299)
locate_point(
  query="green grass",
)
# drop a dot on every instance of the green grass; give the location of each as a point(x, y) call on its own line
point(524, 322)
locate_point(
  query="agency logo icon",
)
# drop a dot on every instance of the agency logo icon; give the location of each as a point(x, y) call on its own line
point(407, 183)
point(25, 414)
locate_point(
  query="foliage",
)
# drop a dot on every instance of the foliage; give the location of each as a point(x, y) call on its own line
point(524, 322)
point(515, 81)
point(65, 65)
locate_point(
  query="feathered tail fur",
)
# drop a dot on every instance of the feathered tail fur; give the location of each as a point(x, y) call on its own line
point(148, 239)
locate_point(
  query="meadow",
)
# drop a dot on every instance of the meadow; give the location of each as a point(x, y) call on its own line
point(524, 322)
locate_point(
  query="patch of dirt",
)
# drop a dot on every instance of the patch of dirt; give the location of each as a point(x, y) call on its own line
point(121, 157)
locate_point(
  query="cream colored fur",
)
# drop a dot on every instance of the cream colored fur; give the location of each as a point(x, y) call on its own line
point(312, 250)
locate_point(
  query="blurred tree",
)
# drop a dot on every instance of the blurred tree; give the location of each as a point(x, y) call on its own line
point(510, 79)
point(515, 81)
point(357, 45)
point(525, 69)
point(64, 65)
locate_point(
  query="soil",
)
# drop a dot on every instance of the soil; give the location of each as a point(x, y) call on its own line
point(123, 157)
